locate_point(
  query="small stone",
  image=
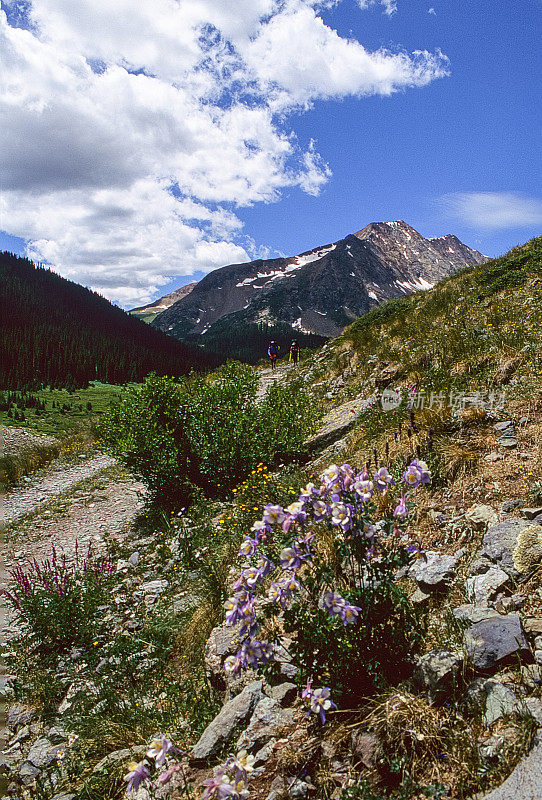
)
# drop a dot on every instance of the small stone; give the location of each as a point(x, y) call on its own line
point(479, 565)
point(525, 456)
point(531, 675)
point(481, 588)
point(433, 571)
point(56, 734)
point(481, 516)
point(285, 693)
point(435, 672)
point(502, 426)
point(288, 671)
point(507, 441)
point(532, 626)
point(42, 753)
point(533, 707)
point(28, 773)
point(470, 613)
point(510, 505)
point(500, 702)
point(134, 559)
point(492, 457)
point(504, 605)
point(531, 513)
point(419, 597)
point(538, 657)
point(493, 640)
point(365, 749)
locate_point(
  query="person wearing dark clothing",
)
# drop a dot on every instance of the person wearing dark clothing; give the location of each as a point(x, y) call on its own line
point(273, 353)
point(294, 352)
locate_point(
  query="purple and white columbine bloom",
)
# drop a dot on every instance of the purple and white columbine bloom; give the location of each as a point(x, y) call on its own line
point(264, 565)
point(138, 776)
point(320, 510)
point(338, 606)
point(383, 479)
point(292, 558)
point(236, 606)
point(416, 473)
point(273, 515)
point(260, 530)
point(159, 750)
point(248, 547)
point(295, 513)
point(364, 488)
point(341, 515)
point(331, 477)
point(219, 786)
point(318, 700)
point(254, 652)
point(310, 491)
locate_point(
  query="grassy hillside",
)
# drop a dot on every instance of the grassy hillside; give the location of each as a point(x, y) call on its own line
point(58, 333)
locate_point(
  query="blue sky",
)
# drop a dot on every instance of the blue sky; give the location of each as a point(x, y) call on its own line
point(256, 128)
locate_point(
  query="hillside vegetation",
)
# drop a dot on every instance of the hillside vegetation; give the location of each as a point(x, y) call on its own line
point(54, 332)
point(366, 601)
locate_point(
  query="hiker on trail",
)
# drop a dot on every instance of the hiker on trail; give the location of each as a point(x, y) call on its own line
point(273, 353)
point(294, 352)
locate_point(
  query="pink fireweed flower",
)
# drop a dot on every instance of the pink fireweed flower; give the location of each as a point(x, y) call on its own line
point(401, 509)
point(273, 515)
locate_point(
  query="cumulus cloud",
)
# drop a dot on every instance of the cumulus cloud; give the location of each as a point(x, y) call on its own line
point(390, 6)
point(494, 210)
point(131, 130)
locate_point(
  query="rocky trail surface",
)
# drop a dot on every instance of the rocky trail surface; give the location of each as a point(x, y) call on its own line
point(268, 377)
point(57, 480)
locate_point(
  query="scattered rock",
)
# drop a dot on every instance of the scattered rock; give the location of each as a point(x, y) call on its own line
point(119, 756)
point(482, 588)
point(42, 753)
point(336, 423)
point(533, 707)
point(479, 565)
point(500, 702)
point(221, 729)
point(491, 748)
point(500, 542)
point(285, 693)
point(482, 516)
point(222, 642)
point(470, 613)
point(20, 715)
point(436, 671)
point(503, 426)
point(493, 640)
point(510, 505)
point(134, 559)
point(532, 625)
point(433, 571)
point(531, 513)
point(267, 722)
point(28, 773)
point(419, 597)
point(365, 749)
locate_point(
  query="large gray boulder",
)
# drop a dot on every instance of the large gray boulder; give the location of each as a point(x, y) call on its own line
point(493, 640)
point(267, 722)
point(500, 543)
point(525, 782)
point(222, 728)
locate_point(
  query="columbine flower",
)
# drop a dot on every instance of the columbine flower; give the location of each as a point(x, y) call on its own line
point(264, 566)
point(254, 652)
point(235, 607)
point(347, 475)
point(296, 513)
point(348, 614)
point(364, 488)
point(252, 576)
point(308, 492)
point(291, 558)
point(318, 700)
point(273, 515)
point(159, 750)
point(337, 605)
point(331, 476)
point(248, 548)
point(138, 775)
point(401, 509)
point(416, 473)
point(320, 509)
point(260, 529)
point(233, 664)
point(332, 602)
point(219, 786)
point(242, 763)
point(341, 515)
point(383, 479)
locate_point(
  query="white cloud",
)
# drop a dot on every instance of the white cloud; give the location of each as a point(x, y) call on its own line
point(432, 12)
point(390, 6)
point(494, 210)
point(131, 130)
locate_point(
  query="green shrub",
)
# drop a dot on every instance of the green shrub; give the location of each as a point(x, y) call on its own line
point(205, 435)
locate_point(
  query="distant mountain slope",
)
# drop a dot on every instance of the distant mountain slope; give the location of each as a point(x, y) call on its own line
point(149, 312)
point(56, 332)
point(321, 290)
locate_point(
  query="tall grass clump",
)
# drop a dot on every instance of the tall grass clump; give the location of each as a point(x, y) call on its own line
point(205, 435)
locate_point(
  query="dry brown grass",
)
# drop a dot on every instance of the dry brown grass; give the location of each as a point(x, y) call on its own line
point(456, 457)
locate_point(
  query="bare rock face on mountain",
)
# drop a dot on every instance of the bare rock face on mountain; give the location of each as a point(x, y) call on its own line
point(322, 290)
point(148, 313)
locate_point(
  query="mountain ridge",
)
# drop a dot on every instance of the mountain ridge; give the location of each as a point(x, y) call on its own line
point(319, 291)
